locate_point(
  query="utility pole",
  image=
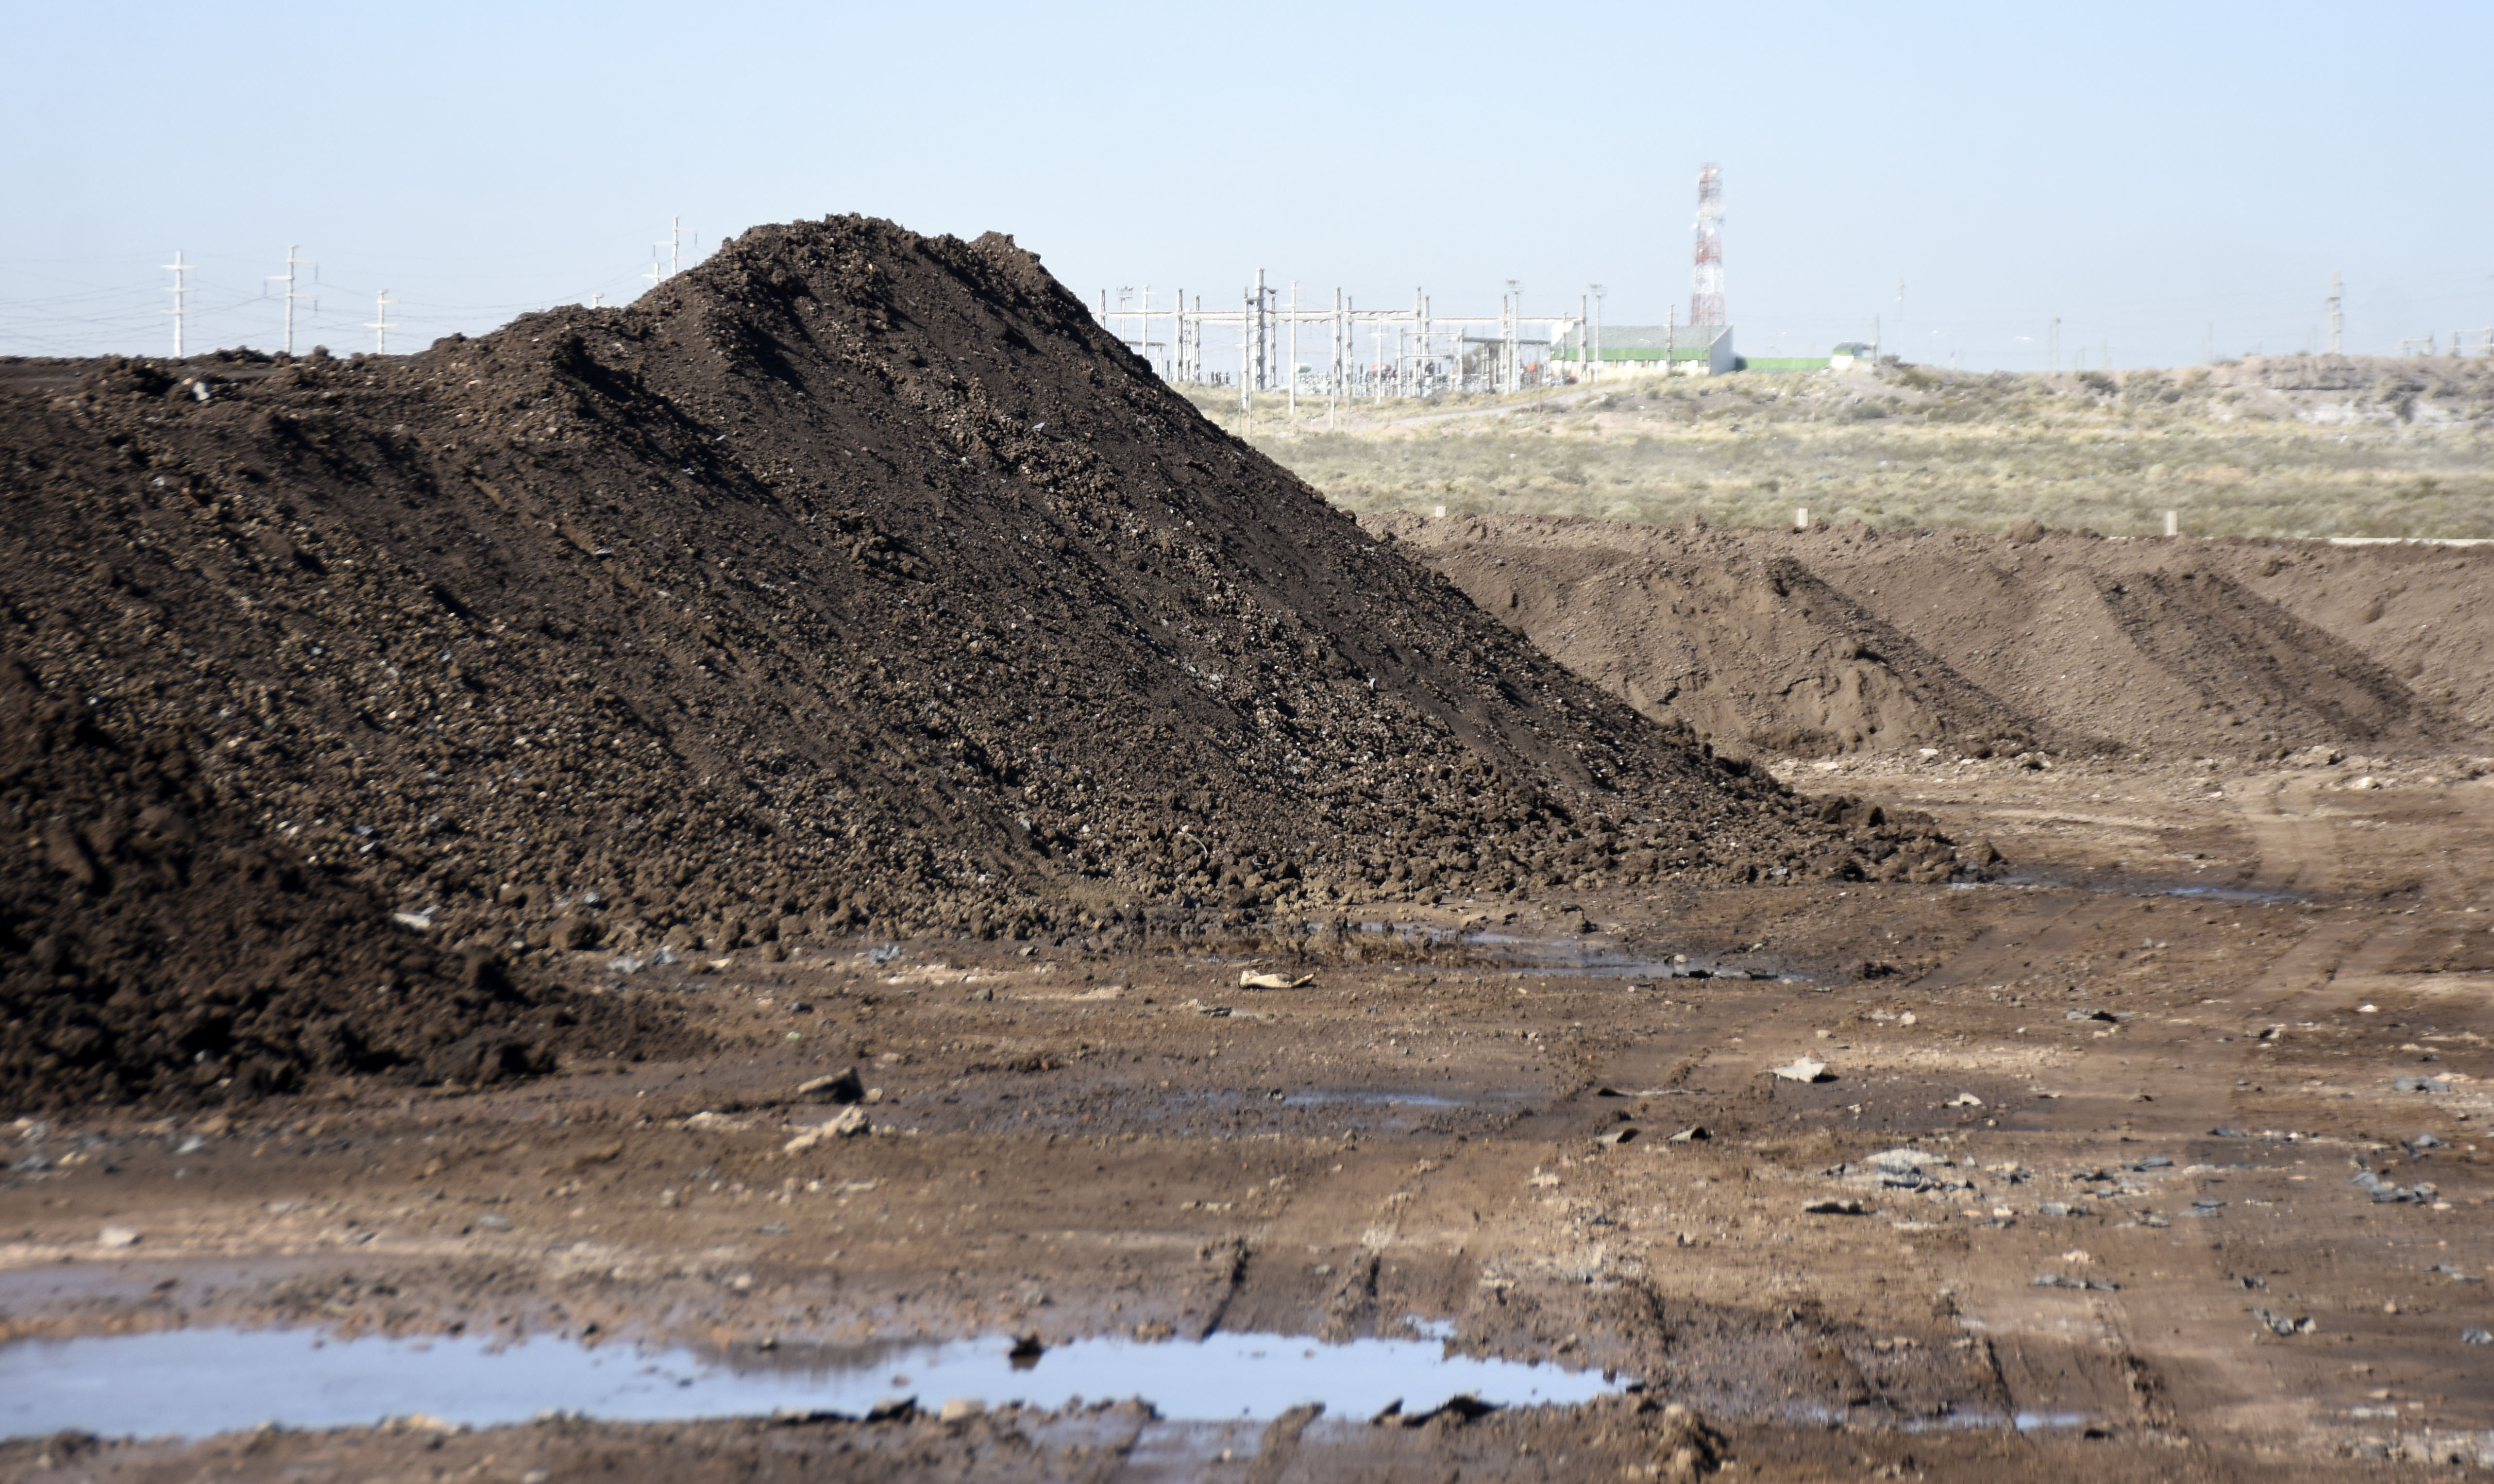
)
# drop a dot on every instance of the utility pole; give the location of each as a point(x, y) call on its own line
point(1429, 367)
point(1263, 350)
point(675, 245)
point(2337, 322)
point(179, 291)
point(1510, 376)
point(1246, 349)
point(1333, 381)
point(287, 278)
point(379, 323)
point(1291, 373)
point(1596, 363)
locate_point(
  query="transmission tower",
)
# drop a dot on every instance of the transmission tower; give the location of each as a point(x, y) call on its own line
point(179, 291)
point(287, 278)
point(2337, 322)
point(379, 323)
point(1706, 283)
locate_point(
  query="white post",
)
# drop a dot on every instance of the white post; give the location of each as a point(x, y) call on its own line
point(1428, 365)
point(1597, 329)
point(287, 278)
point(180, 291)
point(1333, 379)
point(1264, 348)
point(379, 325)
point(1292, 372)
point(1801, 519)
point(1246, 353)
point(2172, 522)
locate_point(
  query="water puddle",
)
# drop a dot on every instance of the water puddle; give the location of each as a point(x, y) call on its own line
point(1564, 957)
point(193, 1382)
point(2187, 891)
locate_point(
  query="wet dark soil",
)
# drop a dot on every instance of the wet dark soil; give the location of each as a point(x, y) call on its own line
point(2130, 1121)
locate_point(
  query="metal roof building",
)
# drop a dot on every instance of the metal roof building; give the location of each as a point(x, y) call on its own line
point(1686, 350)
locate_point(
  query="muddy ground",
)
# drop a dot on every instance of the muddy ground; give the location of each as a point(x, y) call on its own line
point(2156, 1057)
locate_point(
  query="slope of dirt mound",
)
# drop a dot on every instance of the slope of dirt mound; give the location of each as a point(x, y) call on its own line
point(852, 579)
point(1749, 649)
point(1802, 643)
point(154, 948)
point(2268, 666)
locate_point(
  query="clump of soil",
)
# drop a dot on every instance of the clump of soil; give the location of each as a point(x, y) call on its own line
point(156, 948)
point(852, 579)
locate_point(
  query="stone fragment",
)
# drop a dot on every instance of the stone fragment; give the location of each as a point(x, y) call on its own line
point(840, 1087)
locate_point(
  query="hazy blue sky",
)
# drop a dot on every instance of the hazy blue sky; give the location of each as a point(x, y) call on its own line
point(2161, 177)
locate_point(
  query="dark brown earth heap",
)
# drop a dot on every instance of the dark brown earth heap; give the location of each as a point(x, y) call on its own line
point(155, 947)
point(852, 579)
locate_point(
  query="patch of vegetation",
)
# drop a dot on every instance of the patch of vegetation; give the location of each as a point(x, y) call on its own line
point(2299, 446)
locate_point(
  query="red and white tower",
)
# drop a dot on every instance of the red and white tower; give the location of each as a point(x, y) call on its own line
point(1706, 284)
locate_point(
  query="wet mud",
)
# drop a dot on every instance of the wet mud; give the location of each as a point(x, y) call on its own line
point(2114, 1168)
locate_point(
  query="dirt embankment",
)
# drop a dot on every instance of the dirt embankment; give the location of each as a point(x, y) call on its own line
point(852, 580)
point(1834, 640)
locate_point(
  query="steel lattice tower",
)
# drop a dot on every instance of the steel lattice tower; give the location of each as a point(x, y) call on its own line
point(1706, 283)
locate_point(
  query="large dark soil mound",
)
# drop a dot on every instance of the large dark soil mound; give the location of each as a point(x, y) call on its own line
point(154, 948)
point(854, 578)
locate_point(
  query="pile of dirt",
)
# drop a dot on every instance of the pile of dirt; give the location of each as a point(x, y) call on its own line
point(156, 948)
point(1832, 641)
point(854, 579)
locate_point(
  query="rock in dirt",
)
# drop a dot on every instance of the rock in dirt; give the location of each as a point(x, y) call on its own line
point(1254, 980)
point(1685, 1445)
point(844, 1086)
point(851, 1123)
point(116, 1237)
point(1802, 1070)
point(1835, 1207)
